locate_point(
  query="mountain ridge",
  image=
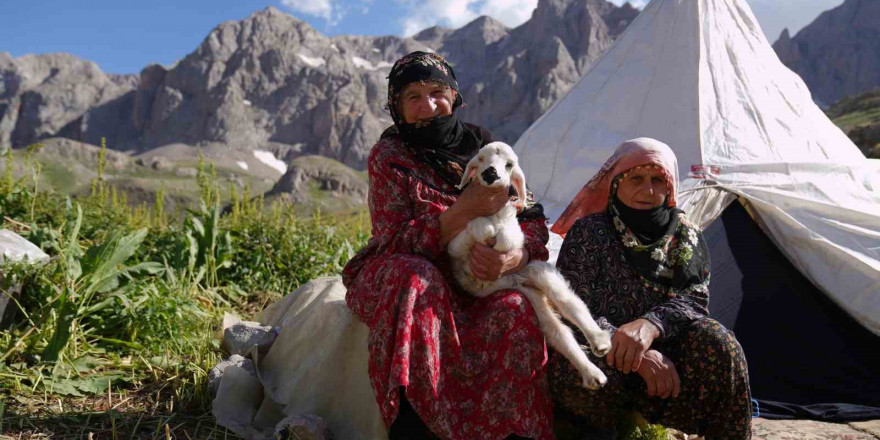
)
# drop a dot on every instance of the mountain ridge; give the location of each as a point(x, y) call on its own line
point(270, 81)
point(837, 54)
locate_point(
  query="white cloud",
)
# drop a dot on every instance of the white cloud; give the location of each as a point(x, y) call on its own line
point(457, 13)
point(510, 12)
point(775, 15)
point(318, 8)
point(332, 11)
point(636, 3)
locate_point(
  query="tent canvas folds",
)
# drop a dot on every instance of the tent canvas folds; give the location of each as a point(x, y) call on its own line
point(700, 76)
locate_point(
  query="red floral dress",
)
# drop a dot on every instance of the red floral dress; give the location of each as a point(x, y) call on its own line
point(472, 368)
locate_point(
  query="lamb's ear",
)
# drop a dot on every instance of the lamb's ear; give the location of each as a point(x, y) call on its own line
point(469, 172)
point(518, 180)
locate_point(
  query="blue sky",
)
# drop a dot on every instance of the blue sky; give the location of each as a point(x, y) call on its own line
point(124, 36)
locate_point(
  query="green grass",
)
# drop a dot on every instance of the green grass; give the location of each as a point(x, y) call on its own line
point(853, 104)
point(858, 118)
point(73, 175)
point(114, 336)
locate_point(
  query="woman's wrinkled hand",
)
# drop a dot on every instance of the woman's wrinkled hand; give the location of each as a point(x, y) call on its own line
point(479, 201)
point(629, 344)
point(487, 264)
point(660, 375)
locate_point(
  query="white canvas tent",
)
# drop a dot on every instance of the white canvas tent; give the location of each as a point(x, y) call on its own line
point(700, 76)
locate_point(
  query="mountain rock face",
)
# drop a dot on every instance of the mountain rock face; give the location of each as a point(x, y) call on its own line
point(519, 74)
point(307, 174)
point(272, 82)
point(838, 54)
point(43, 96)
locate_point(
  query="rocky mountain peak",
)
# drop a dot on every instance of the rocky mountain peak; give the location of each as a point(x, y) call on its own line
point(263, 30)
point(482, 30)
point(586, 27)
point(45, 95)
point(618, 19)
point(838, 54)
point(784, 36)
point(272, 82)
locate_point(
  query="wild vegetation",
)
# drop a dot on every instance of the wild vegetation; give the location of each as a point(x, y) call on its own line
point(859, 117)
point(113, 336)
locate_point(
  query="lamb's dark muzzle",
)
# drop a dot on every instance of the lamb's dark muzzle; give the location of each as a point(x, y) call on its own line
point(489, 175)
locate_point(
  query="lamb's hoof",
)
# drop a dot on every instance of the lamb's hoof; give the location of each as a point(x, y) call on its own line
point(594, 380)
point(601, 344)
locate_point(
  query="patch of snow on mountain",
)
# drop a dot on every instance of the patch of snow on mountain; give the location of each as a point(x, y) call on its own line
point(243, 165)
point(367, 65)
point(314, 62)
point(269, 159)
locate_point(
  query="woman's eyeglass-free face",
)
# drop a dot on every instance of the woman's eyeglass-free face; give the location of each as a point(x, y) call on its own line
point(643, 188)
point(420, 101)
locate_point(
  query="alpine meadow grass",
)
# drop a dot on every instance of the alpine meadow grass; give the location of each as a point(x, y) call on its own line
point(114, 334)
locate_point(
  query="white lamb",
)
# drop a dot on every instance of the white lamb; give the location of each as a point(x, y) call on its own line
point(496, 166)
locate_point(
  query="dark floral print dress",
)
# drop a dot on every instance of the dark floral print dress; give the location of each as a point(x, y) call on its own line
point(597, 260)
point(473, 368)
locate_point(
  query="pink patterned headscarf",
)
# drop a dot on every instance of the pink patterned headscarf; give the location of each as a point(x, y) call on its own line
point(593, 197)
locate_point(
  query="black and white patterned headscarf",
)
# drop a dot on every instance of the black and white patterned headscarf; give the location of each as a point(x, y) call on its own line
point(444, 143)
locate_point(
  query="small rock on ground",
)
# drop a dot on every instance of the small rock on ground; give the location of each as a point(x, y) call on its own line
point(241, 337)
point(763, 429)
point(302, 427)
point(217, 372)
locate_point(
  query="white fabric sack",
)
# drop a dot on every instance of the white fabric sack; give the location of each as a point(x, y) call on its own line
point(14, 247)
point(317, 365)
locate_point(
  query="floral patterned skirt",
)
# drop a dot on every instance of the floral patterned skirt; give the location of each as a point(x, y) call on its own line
point(714, 401)
point(472, 368)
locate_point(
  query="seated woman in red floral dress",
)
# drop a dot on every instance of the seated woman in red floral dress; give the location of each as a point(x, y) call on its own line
point(443, 364)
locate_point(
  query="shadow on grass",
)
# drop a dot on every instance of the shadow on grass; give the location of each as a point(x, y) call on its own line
point(112, 425)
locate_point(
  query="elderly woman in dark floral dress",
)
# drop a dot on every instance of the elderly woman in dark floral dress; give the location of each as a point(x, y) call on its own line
point(643, 269)
point(443, 364)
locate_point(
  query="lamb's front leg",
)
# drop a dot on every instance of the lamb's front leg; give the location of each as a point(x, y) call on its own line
point(547, 279)
point(560, 337)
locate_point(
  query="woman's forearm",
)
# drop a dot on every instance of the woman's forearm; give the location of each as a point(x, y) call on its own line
point(452, 222)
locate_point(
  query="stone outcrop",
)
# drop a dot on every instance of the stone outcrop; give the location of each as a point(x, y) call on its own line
point(81, 153)
point(308, 174)
point(273, 82)
point(516, 77)
point(838, 54)
point(59, 94)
